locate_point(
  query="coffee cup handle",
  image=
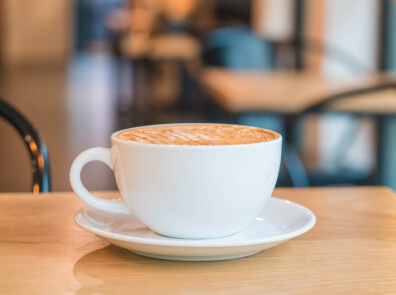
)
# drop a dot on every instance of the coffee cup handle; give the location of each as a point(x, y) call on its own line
point(94, 154)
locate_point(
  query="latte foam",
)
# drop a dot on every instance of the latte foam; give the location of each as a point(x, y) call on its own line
point(197, 134)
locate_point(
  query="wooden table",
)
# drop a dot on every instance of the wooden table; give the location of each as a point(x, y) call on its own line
point(161, 47)
point(292, 92)
point(351, 250)
point(142, 50)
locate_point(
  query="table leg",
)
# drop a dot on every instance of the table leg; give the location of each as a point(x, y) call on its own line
point(385, 155)
point(138, 93)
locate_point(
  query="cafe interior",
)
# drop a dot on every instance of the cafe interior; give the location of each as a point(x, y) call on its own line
point(319, 72)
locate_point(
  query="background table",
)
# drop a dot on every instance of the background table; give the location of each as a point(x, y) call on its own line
point(157, 63)
point(351, 250)
point(292, 92)
point(161, 47)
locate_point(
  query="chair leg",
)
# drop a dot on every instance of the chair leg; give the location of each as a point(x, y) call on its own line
point(294, 167)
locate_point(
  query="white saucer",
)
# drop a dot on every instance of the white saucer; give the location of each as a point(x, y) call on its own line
point(280, 221)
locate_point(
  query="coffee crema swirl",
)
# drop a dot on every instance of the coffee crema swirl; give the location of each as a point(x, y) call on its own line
point(197, 134)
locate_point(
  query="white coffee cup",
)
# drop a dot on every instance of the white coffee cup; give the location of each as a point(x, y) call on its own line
point(179, 191)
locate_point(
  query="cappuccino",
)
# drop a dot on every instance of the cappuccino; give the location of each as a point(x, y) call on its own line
point(188, 181)
point(197, 134)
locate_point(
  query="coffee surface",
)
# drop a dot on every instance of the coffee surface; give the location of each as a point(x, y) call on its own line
point(197, 134)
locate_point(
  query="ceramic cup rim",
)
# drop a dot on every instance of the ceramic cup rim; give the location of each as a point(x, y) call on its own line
point(114, 138)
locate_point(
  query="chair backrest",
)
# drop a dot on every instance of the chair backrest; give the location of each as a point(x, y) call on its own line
point(237, 48)
point(37, 150)
point(294, 167)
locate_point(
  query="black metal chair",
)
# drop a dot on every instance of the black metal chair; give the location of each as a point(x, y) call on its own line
point(37, 150)
point(298, 175)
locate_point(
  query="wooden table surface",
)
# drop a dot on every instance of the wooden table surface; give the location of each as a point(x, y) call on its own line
point(351, 250)
point(292, 92)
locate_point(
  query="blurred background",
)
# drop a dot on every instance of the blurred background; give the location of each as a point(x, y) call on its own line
point(317, 71)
